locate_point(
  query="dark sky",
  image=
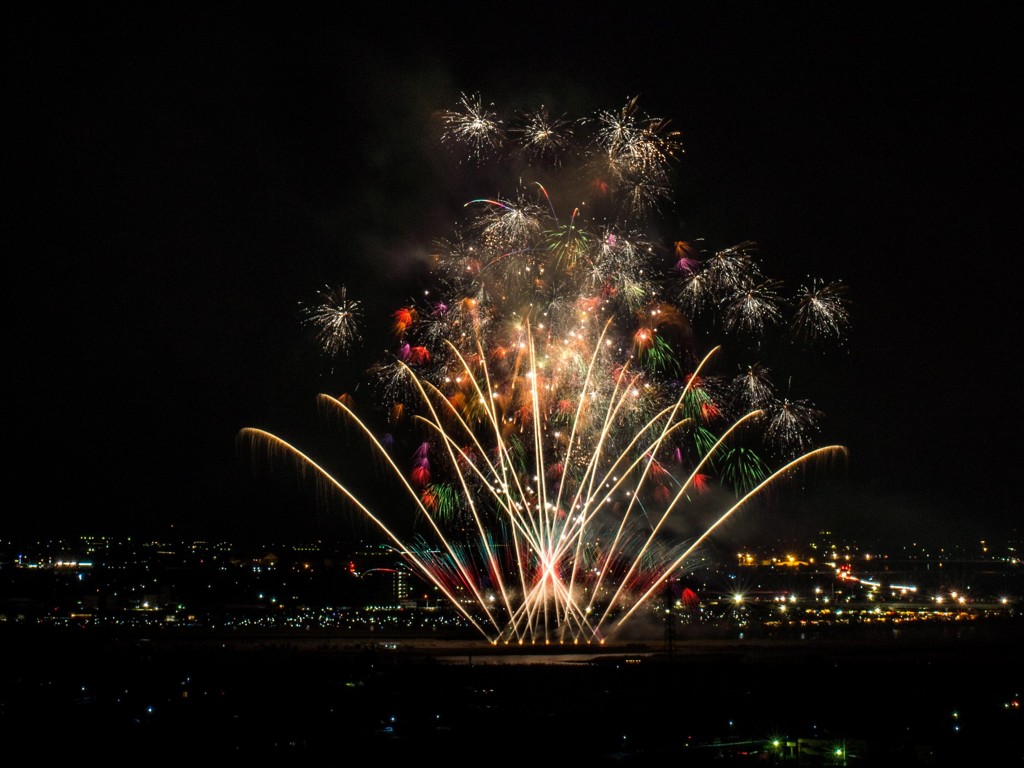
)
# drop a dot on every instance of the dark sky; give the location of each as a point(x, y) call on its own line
point(181, 182)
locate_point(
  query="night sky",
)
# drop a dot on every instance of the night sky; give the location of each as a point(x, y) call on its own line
point(179, 183)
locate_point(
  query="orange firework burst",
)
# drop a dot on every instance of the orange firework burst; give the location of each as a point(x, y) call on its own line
point(420, 475)
point(404, 319)
point(397, 413)
point(419, 355)
point(643, 338)
point(429, 498)
point(709, 411)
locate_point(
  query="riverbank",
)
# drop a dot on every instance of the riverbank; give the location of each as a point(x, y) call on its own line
point(925, 698)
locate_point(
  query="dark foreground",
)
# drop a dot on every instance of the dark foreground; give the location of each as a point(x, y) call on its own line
point(936, 696)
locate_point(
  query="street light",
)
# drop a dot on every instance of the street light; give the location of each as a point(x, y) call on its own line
point(840, 754)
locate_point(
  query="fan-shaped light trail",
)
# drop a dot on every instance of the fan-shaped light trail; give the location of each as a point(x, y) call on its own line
point(555, 592)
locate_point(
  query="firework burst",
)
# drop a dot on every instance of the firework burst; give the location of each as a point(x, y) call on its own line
point(335, 318)
point(543, 139)
point(754, 309)
point(753, 388)
point(564, 417)
point(792, 425)
point(822, 311)
point(474, 127)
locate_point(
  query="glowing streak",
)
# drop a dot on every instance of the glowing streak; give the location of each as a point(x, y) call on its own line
point(493, 413)
point(497, 203)
point(548, 198)
point(415, 496)
point(539, 532)
point(670, 507)
point(817, 453)
point(611, 552)
point(258, 436)
point(503, 503)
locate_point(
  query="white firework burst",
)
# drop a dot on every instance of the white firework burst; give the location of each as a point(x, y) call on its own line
point(335, 318)
point(473, 126)
point(822, 311)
